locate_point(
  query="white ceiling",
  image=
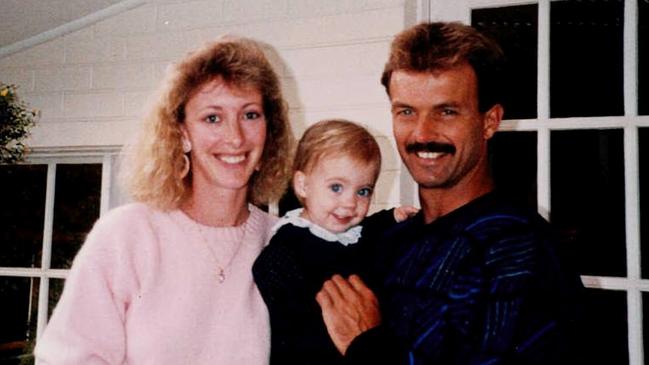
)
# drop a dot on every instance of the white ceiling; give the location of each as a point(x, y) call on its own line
point(24, 19)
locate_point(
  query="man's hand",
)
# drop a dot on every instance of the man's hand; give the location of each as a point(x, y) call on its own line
point(404, 212)
point(349, 308)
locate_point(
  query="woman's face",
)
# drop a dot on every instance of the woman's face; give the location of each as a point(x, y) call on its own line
point(227, 130)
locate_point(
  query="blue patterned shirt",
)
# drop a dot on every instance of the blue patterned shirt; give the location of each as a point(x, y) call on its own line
point(483, 284)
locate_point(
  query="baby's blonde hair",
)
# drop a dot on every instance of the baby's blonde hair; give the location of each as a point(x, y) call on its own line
point(336, 137)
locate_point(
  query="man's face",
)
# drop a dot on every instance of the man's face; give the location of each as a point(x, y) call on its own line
point(440, 134)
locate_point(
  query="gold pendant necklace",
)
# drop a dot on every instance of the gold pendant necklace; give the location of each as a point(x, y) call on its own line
point(220, 272)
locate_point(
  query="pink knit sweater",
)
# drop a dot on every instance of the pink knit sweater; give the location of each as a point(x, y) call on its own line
point(144, 289)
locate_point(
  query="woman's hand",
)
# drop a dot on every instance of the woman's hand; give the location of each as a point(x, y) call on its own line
point(349, 308)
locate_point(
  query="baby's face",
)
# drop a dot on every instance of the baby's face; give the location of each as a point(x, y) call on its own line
point(337, 192)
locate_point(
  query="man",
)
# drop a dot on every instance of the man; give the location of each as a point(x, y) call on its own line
point(473, 279)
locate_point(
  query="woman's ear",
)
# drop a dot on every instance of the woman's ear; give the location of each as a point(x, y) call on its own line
point(299, 184)
point(184, 138)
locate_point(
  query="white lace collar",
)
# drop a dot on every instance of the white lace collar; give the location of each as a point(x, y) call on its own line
point(293, 217)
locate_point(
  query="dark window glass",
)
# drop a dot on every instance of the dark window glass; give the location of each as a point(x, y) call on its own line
point(513, 163)
point(645, 322)
point(586, 58)
point(22, 211)
point(288, 202)
point(643, 57)
point(56, 289)
point(515, 28)
point(19, 298)
point(76, 208)
point(605, 327)
point(643, 137)
point(587, 204)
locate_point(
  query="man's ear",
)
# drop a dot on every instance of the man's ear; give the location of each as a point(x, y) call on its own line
point(299, 184)
point(492, 120)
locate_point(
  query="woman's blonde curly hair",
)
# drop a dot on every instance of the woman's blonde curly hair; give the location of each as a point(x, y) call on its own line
point(154, 164)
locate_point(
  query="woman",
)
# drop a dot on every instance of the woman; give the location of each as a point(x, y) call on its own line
point(167, 280)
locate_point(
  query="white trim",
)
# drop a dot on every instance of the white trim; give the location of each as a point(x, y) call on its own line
point(543, 175)
point(634, 319)
point(543, 178)
point(43, 293)
point(632, 222)
point(632, 204)
point(29, 272)
point(611, 122)
point(543, 61)
point(70, 27)
point(631, 169)
point(477, 4)
point(70, 153)
point(615, 283)
point(630, 58)
point(106, 184)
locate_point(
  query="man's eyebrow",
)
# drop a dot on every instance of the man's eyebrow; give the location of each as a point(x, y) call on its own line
point(398, 104)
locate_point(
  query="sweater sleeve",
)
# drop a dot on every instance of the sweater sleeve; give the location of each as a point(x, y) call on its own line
point(87, 326)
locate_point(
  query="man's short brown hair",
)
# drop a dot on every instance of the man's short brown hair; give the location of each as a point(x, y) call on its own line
point(430, 47)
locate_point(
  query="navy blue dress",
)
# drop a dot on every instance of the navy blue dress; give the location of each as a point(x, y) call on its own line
point(290, 271)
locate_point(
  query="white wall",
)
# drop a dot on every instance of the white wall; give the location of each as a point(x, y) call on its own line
point(92, 85)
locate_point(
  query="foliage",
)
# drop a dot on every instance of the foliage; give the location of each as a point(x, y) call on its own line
point(16, 118)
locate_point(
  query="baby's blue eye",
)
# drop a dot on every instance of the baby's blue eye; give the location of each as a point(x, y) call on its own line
point(212, 118)
point(364, 192)
point(336, 188)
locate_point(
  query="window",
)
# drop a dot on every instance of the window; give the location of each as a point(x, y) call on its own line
point(575, 142)
point(48, 206)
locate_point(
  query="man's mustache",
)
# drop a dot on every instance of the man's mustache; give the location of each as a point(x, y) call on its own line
point(430, 147)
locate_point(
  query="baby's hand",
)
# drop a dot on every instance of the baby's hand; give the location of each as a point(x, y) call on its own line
point(404, 212)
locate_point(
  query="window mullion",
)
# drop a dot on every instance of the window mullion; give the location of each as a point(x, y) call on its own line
point(543, 171)
point(632, 221)
point(106, 183)
point(543, 72)
point(630, 58)
point(543, 109)
point(46, 257)
point(631, 178)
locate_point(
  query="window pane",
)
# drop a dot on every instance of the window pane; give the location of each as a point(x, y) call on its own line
point(605, 325)
point(645, 323)
point(587, 203)
point(76, 208)
point(22, 214)
point(288, 202)
point(56, 288)
point(19, 298)
point(586, 58)
point(515, 28)
point(643, 57)
point(513, 163)
point(643, 137)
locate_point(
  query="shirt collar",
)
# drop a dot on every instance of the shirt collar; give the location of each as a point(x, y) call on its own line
point(348, 237)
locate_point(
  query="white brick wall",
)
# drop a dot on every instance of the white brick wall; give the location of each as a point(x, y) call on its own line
point(92, 85)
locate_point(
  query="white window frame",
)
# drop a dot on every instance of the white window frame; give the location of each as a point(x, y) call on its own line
point(543, 125)
point(110, 197)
